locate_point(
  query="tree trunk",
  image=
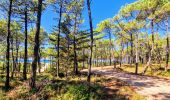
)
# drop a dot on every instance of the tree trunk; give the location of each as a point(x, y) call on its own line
point(101, 62)
point(167, 47)
point(128, 56)
point(68, 53)
point(148, 63)
point(39, 61)
point(151, 49)
point(121, 55)
point(36, 47)
point(158, 54)
point(19, 63)
point(136, 70)
point(131, 58)
point(91, 36)
point(110, 49)
point(26, 40)
point(8, 45)
point(97, 62)
point(83, 58)
point(75, 53)
point(17, 52)
point(114, 63)
point(58, 43)
point(13, 58)
point(75, 58)
point(97, 59)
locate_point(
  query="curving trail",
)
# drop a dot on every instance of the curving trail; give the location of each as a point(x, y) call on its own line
point(153, 88)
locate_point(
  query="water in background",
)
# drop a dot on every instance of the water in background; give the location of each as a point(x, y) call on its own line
point(46, 61)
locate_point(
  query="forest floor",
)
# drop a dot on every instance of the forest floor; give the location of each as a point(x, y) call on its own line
point(70, 88)
point(154, 88)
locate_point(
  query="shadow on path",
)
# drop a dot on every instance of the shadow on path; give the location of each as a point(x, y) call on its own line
point(153, 88)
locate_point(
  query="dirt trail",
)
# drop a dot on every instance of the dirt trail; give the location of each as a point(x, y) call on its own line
point(153, 88)
point(44, 67)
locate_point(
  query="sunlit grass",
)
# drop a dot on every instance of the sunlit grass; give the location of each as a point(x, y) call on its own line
point(70, 88)
point(133, 95)
point(157, 70)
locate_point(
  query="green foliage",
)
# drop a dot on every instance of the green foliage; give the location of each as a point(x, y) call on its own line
point(80, 92)
point(33, 91)
point(128, 31)
point(165, 74)
point(43, 36)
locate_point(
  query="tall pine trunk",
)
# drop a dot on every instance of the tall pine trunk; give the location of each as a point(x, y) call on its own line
point(75, 53)
point(68, 53)
point(131, 44)
point(36, 47)
point(83, 58)
point(167, 47)
point(39, 61)
point(110, 48)
point(13, 57)
point(91, 37)
point(136, 70)
point(26, 40)
point(151, 49)
point(75, 58)
point(8, 45)
point(17, 52)
point(58, 42)
point(121, 53)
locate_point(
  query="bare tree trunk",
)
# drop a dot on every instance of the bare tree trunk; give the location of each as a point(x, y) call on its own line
point(75, 53)
point(167, 47)
point(131, 40)
point(158, 54)
point(58, 43)
point(114, 63)
point(150, 49)
point(91, 36)
point(97, 59)
point(8, 46)
point(105, 56)
point(19, 63)
point(83, 58)
point(68, 53)
point(110, 49)
point(148, 63)
point(17, 52)
point(36, 47)
point(128, 58)
point(75, 58)
point(26, 40)
point(39, 61)
point(97, 65)
point(121, 55)
point(136, 70)
point(13, 58)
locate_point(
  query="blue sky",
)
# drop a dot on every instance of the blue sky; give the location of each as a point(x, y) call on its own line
point(101, 10)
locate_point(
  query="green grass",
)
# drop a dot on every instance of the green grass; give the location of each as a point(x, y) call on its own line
point(163, 73)
point(156, 70)
point(71, 88)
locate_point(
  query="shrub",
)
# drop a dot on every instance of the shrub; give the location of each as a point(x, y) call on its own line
point(80, 92)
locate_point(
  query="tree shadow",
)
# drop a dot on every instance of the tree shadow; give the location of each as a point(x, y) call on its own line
point(137, 81)
point(58, 87)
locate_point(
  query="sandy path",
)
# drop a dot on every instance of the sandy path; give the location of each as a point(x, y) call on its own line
point(44, 67)
point(153, 88)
